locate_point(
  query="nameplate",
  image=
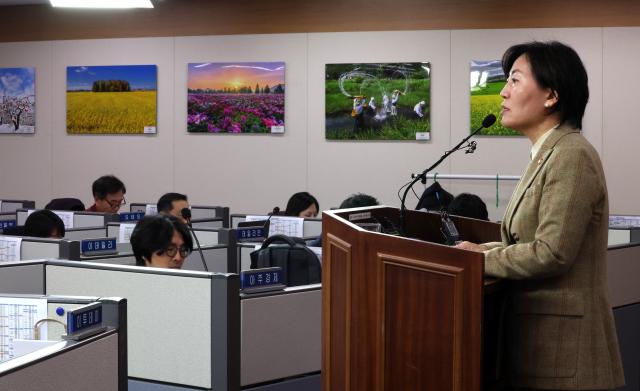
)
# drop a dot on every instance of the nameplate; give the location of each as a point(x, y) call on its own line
point(131, 216)
point(7, 223)
point(260, 280)
point(250, 233)
point(84, 322)
point(100, 246)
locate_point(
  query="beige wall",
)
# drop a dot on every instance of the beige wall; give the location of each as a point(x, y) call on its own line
point(253, 173)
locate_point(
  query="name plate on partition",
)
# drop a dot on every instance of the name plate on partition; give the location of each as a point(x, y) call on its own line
point(260, 280)
point(7, 223)
point(84, 322)
point(101, 246)
point(250, 233)
point(131, 216)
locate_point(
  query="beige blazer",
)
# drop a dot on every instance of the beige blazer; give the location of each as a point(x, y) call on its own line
point(560, 328)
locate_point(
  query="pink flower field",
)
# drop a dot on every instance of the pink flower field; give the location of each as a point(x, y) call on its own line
point(234, 113)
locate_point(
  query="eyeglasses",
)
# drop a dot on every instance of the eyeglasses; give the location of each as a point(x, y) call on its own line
point(172, 250)
point(116, 203)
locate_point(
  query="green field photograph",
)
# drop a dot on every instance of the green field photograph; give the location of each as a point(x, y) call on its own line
point(118, 99)
point(486, 82)
point(378, 101)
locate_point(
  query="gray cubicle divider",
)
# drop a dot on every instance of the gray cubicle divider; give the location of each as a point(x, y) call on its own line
point(186, 323)
point(201, 216)
point(310, 227)
point(85, 233)
point(22, 277)
point(42, 248)
point(96, 363)
point(281, 334)
point(14, 205)
point(80, 219)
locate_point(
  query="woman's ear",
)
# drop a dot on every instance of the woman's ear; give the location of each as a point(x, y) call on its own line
point(552, 99)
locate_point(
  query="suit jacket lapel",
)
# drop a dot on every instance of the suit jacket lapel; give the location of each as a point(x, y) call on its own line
point(532, 171)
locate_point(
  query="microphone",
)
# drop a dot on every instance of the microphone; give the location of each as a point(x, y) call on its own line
point(471, 147)
point(186, 214)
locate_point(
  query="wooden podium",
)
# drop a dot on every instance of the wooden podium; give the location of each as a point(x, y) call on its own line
point(401, 313)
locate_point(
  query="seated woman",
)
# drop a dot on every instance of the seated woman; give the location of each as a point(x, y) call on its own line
point(161, 241)
point(44, 224)
point(302, 204)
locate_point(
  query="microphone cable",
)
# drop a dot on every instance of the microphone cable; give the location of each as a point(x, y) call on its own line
point(186, 214)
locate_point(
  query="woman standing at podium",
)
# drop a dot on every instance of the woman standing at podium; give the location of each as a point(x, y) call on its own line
point(560, 333)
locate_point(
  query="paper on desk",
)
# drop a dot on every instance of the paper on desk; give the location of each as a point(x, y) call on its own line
point(10, 248)
point(19, 315)
point(283, 225)
point(125, 232)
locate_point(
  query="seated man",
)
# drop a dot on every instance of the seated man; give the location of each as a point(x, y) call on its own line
point(358, 200)
point(108, 193)
point(161, 241)
point(44, 224)
point(173, 204)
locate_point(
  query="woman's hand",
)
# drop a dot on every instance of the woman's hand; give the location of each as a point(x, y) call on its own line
point(471, 246)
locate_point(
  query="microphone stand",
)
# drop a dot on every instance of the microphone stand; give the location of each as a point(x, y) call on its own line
point(470, 148)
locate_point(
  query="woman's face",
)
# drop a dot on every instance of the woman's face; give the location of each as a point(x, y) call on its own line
point(165, 259)
point(523, 105)
point(311, 211)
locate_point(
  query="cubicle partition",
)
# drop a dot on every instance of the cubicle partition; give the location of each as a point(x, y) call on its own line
point(310, 228)
point(85, 233)
point(183, 325)
point(39, 248)
point(80, 219)
point(7, 220)
point(14, 205)
point(623, 270)
point(201, 216)
point(94, 361)
point(281, 338)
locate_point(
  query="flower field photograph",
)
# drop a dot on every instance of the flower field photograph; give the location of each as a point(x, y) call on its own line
point(17, 100)
point(240, 98)
point(117, 99)
point(378, 101)
point(486, 82)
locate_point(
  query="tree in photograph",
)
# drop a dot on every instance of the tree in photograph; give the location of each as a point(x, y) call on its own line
point(267, 90)
point(15, 107)
point(111, 86)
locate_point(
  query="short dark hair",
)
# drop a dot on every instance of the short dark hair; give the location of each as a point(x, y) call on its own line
point(468, 205)
point(107, 184)
point(359, 200)
point(42, 224)
point(165, 203)
point(154, 233)
point(299, 202)
point(558, 67)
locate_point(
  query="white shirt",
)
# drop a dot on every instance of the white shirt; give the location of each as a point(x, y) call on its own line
point(536, 147)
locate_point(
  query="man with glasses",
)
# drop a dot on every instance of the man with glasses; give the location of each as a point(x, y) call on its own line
point(108, 193)
point(161, 241)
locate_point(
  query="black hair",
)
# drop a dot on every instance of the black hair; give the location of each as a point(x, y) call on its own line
point(42, 224)
point(107, 184)
point(165, 203)
point(72, 204)
point(558, 67)
point(359, 200)
point(468, 205)
point(154, 233)
point(299, 202)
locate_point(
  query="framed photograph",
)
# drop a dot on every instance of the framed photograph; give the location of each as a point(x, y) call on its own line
point(236, 97)
point(486, 81)
point(17, 100)
point(378, 101)
point(113, 99)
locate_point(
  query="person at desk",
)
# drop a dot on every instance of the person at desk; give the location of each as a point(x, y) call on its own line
point(44, 224)
point(161, 241)
point(468, 205)
point(559, 323)
point(173, 204)
point(359, 200)
point(108, 194)
point(302, 204)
